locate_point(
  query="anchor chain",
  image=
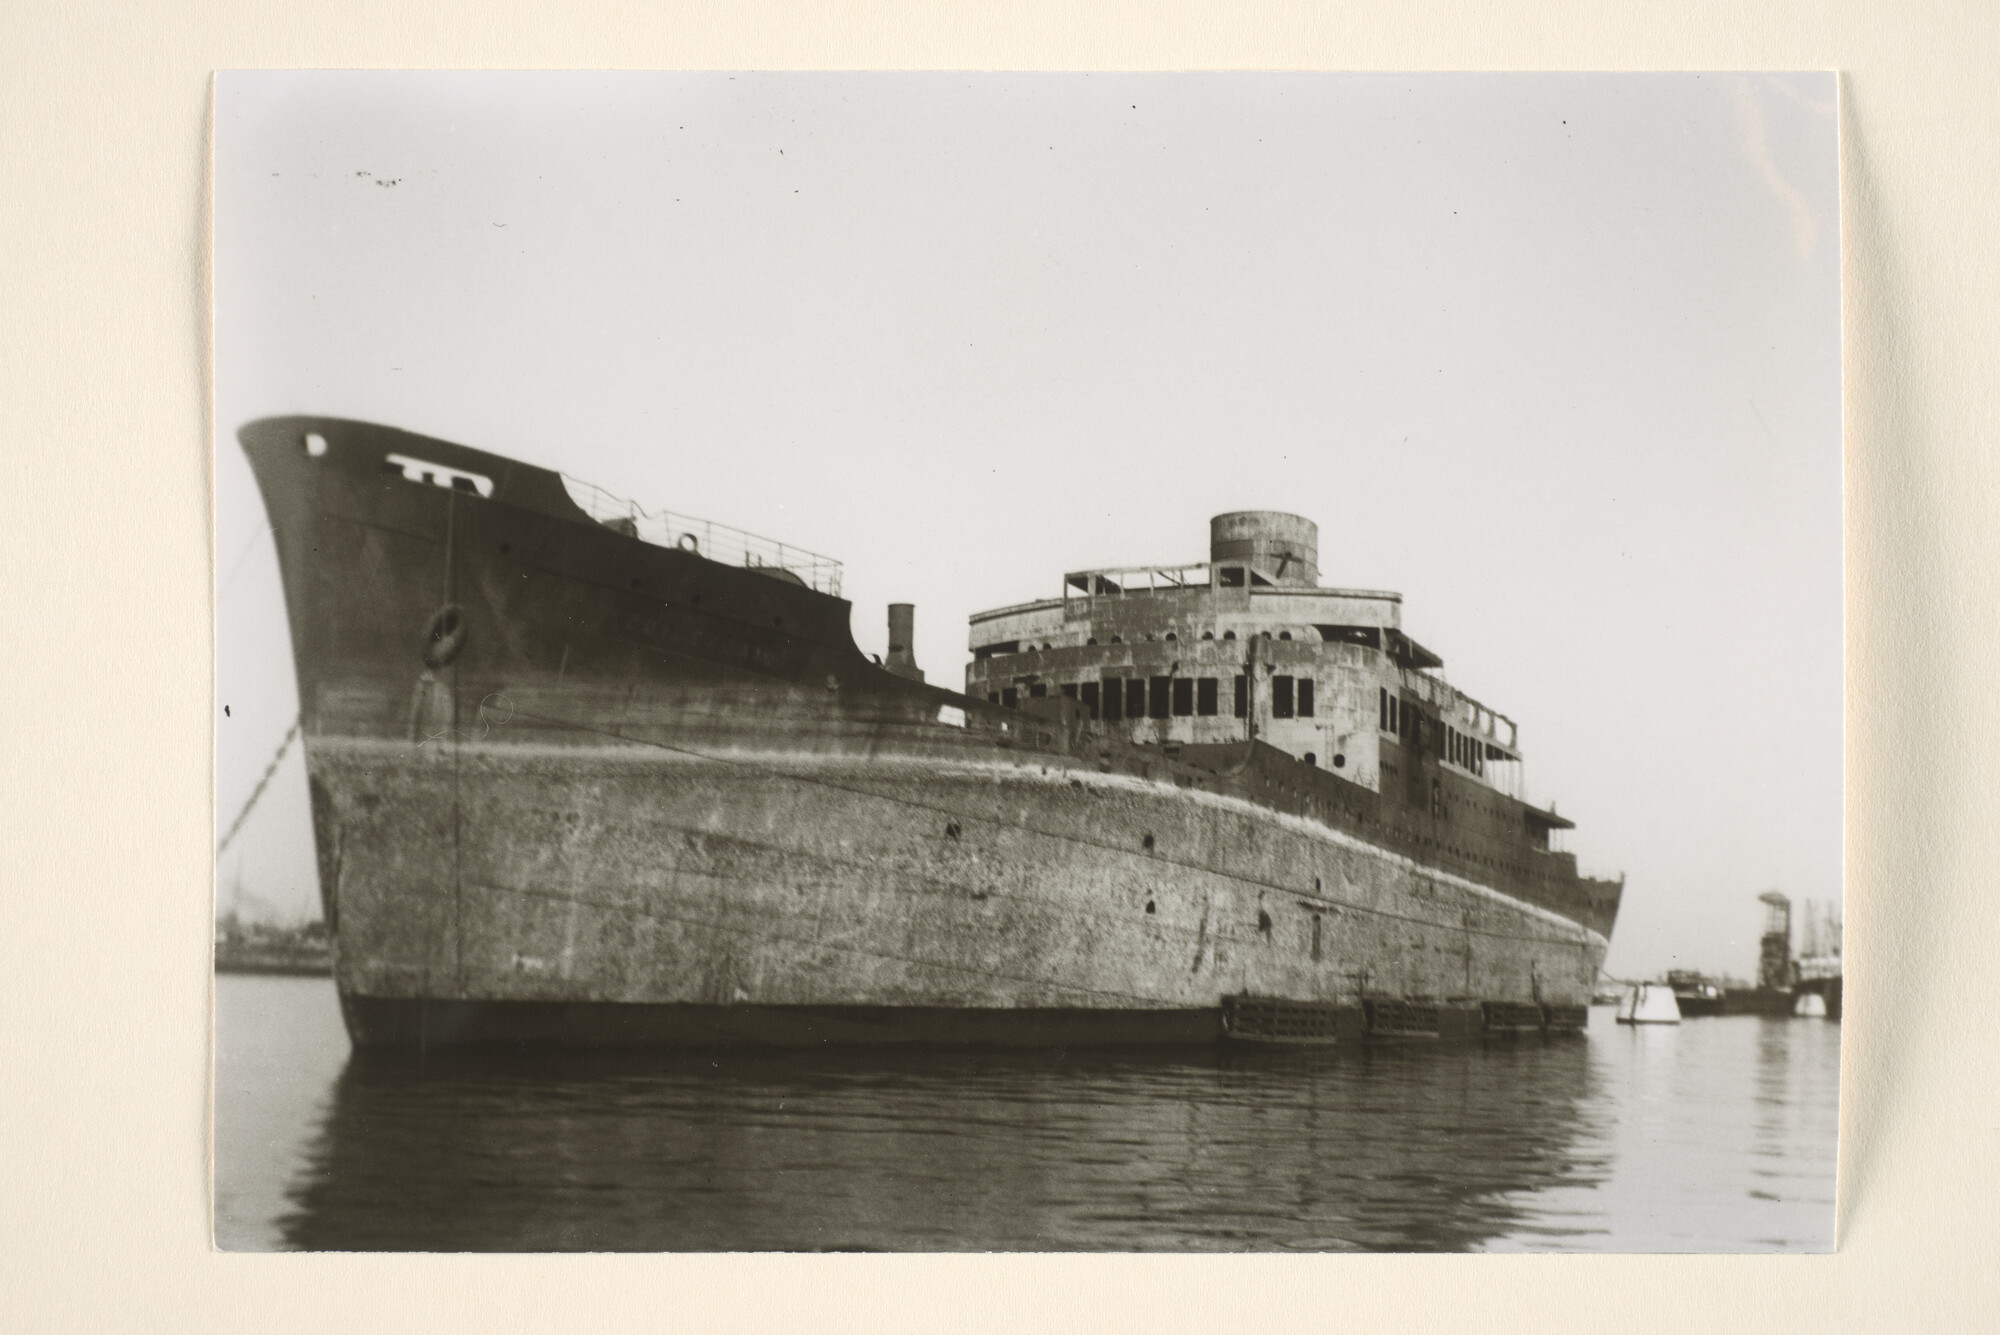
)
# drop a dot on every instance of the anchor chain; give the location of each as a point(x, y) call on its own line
point(257, 792)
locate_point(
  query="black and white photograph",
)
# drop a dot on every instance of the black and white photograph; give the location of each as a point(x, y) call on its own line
point(891, 662)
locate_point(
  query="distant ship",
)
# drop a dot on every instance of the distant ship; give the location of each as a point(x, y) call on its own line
point(585, 773)
point(1694, 993)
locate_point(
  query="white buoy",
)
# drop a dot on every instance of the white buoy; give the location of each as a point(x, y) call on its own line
point(1649, 1003)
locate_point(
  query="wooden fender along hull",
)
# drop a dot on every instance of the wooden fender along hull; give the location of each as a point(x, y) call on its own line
point(568, 786)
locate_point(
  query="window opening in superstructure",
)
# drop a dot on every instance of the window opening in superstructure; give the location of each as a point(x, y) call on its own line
point(1284, 635)
point(1204, 697)
point(1036, 690)
point(1160, 704)
point(1004, 647)
point(1242, 696)
point(1228, 634)
point(1069, 689)
point(1310, 758)
point(1208, 635)
point(993, 697)
point(1135, 697)
point(1281, 697)
point(1010, 697)
point(1305, 697)
point(1257, 581)
point(1230, 577)
point(1183, 697)
point(1172, 636)
point(1363, 635)
point(1118, 639)
point(1382, 706)
point(1088, 695)
point(1114, 699)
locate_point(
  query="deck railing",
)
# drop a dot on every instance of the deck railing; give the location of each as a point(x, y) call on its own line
point(703, 537)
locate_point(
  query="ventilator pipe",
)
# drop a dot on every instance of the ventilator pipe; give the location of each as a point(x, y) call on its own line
point(902, 659)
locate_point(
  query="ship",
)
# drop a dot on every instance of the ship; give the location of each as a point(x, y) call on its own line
point(1695, 992)
point(586, 773)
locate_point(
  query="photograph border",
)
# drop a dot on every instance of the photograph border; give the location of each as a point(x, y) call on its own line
point(109, 1207)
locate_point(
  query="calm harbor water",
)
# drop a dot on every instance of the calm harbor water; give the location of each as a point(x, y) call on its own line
point(1714, 1135)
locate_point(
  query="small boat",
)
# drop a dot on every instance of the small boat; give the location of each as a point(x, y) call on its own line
point(1649, 1003)
point(1694, 994)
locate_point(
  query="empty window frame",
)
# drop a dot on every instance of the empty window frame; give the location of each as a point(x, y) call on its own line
point(1038, 689)
point(1229, 577)
point(1183, 697)
point(1204, 697)
point(1135, 697)
point(1281, 697)
point(1242, 696)
point(1114, 699)
point(1069, 689)
point(1161, 701)
point(1010, 697)
point(1305, 697)
point(1088, 694)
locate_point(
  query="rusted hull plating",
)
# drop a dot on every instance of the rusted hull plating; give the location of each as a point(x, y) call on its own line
point(640, 797)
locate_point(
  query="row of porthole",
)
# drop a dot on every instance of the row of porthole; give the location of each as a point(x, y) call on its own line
point(1170, 635)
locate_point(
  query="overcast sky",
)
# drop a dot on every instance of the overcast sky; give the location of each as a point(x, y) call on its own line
point(1556, 357)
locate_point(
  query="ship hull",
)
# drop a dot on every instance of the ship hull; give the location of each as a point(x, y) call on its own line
point(645, 798)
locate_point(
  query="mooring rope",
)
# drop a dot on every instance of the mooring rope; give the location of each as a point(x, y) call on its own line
point(284, 746)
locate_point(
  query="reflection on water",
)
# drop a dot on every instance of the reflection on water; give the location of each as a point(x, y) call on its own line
point(1715, 1135)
